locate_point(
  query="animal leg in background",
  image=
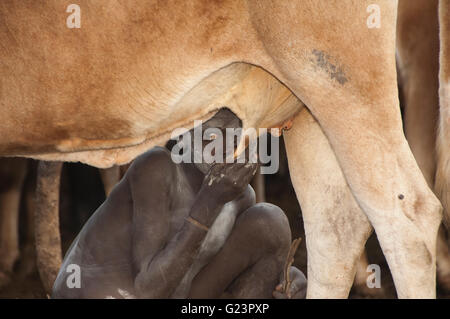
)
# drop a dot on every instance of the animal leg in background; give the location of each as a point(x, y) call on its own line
point(12, 176)
point(442, 184)
point(27, 263)
point(47, 233)
point(418, 60)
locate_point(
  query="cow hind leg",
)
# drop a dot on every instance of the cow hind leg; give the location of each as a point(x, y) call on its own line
point(388, 185)
point(355, 101)
point(335, 227)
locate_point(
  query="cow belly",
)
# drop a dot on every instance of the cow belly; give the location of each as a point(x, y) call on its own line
point(213, 242)
point(254, 95)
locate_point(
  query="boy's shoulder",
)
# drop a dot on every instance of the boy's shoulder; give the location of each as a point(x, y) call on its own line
point(151, 164)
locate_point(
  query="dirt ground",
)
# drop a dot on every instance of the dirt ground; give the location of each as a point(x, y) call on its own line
point(82, 193)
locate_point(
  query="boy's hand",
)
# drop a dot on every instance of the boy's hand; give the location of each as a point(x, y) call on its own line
point(225, 181)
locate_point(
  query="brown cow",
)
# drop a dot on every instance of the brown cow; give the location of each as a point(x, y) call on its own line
point(107, 92)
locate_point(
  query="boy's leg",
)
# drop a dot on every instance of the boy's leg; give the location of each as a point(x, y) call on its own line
point(252, 259)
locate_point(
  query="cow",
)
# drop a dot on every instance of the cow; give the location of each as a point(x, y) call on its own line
point(108, 91)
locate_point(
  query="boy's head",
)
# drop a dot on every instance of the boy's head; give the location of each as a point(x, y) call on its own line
point(213, 130)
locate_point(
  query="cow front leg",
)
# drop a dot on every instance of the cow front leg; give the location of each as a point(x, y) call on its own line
point(335, 227)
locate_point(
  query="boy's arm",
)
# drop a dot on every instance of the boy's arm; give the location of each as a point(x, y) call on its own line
point(160, 275)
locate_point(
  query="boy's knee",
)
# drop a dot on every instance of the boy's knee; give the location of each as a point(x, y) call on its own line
point(270, 223)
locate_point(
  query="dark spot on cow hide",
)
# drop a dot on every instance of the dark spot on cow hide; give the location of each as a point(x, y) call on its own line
point(323, 61)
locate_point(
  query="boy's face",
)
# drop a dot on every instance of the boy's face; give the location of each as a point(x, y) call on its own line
point(220, 122)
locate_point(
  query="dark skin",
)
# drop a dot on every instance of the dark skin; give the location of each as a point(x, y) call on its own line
point(148, 234)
